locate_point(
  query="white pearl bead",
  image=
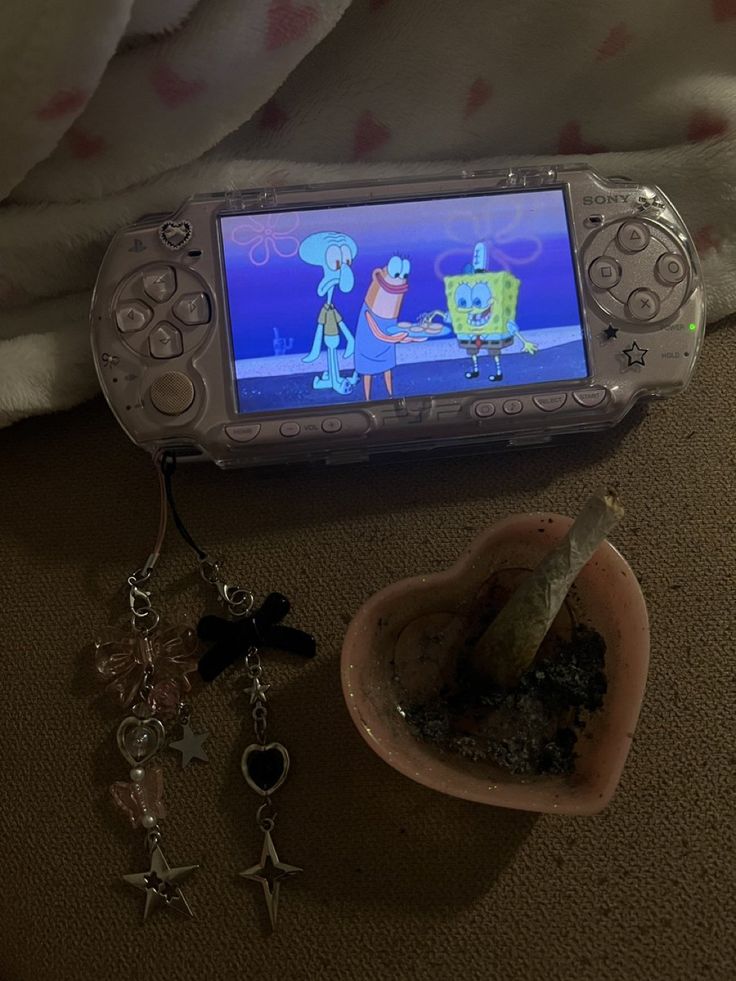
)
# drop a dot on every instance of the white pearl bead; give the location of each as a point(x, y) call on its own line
point(149, 821)
point(137, 774)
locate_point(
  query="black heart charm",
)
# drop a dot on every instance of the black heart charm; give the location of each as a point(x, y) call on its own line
point(265, 767)
point(175, 234)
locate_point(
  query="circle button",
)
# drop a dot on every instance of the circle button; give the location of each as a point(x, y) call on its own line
point(670, 269)
point(633, 236)
point(604, 272)
point(643, 305)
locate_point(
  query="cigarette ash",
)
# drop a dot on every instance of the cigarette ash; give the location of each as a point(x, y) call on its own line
point(531, 728)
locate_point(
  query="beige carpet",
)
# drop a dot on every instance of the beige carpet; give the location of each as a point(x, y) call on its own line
point(399, 882)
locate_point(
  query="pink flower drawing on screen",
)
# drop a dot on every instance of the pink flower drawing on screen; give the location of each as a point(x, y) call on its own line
point(506, 246)
point(265, 235)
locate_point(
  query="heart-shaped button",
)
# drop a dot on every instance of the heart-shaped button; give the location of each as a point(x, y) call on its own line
point(265, 767)
point(175, 234)
point(140, 739)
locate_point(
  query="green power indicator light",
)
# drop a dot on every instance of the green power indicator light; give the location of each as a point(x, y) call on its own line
point(693, 326)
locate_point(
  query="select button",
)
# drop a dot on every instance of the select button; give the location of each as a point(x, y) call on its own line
point(550, 403)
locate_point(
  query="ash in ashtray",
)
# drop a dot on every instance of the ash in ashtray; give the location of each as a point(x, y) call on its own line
point(530, 728)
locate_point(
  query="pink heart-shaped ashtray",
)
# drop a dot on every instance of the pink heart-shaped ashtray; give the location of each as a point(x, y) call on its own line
point(607, 597)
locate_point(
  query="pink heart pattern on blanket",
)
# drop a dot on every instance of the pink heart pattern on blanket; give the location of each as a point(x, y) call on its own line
point(370, 135)
point(288, 23)
point(724, 10)
point(172, 89)
point(62, 103)
point(618, 38)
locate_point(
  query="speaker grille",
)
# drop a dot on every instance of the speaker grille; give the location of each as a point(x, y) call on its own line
point(172, 393)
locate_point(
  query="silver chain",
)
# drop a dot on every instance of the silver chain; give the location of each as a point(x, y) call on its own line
point(266, 816)
point(184, 713)
point(143, 616)
point(266, 813)
point(238, 601)
point(260, 712)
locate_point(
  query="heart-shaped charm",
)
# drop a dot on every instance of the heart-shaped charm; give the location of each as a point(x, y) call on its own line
point(140, 739)
point(265, 767)
point(175, 234)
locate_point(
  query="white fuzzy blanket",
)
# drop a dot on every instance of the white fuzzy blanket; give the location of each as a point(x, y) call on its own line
point(115, 108)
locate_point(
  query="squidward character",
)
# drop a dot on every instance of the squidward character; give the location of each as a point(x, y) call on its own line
point(333, 252)
point(482, 311)
point(379, 331)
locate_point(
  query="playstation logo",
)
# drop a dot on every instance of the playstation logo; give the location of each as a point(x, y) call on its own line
point(137, 246)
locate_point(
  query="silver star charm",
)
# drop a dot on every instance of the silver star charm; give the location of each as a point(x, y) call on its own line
point(190, 745)
point(161, 885)
point(257, 691)
point(270, 872)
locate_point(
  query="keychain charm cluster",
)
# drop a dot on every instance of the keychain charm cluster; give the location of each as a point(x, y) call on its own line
point(145, 666)
point(265, 767)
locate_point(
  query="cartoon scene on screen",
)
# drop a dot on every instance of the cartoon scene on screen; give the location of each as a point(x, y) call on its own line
point(397, 300)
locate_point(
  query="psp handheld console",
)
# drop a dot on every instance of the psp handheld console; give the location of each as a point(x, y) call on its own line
point(339, 321)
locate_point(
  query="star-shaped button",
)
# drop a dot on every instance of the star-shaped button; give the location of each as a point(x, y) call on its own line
point(270, 873)
point(190, 745)
point(257, 691)
point(161, 885)
point(610, 332)
point(635, 354)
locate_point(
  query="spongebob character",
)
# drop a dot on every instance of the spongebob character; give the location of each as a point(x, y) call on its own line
point(482, 310)
point(334, 253)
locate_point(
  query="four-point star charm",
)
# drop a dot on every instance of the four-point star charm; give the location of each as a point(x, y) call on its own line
point(161, 885)
point(635, 354)
point(190, 745)
point(270, 872)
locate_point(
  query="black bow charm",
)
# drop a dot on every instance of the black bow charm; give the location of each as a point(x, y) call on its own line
point(233, 638)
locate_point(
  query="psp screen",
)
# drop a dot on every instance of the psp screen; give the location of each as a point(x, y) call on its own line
point(426, 297)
